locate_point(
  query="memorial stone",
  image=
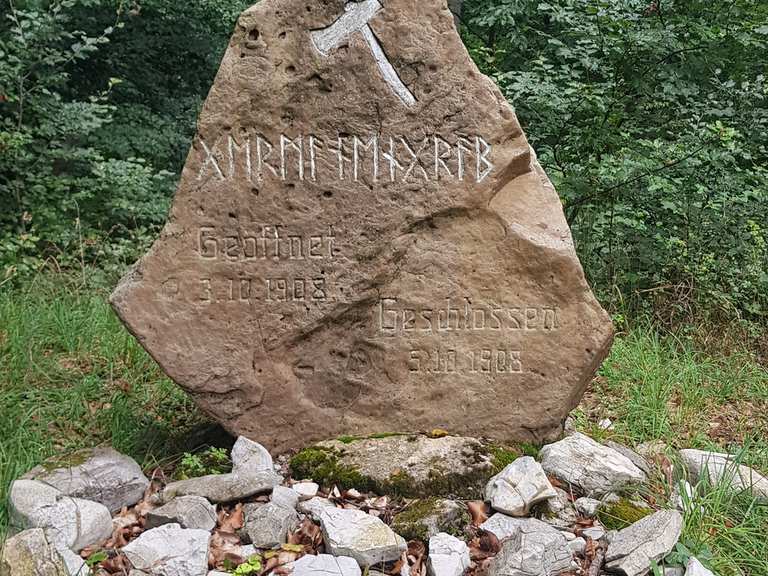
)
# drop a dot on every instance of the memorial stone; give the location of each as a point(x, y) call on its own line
point(363, 241)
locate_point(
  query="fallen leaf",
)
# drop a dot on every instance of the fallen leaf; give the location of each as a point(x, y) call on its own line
point(478, 512)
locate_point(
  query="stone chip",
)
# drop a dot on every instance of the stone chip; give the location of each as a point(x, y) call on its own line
point(519, 486)
point(192, 512)
point(170, 550)
point(360, 536)
point(633, 549)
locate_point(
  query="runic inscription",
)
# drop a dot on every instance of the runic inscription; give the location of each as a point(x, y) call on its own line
point(345, 158)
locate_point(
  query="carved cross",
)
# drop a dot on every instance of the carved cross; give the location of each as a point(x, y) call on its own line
point(355, 19)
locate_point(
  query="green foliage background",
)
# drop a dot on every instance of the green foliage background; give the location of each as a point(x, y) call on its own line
point(649, 116)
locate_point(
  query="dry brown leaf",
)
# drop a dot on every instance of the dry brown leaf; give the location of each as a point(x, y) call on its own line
point(478, 512)
point(484, 545)
point(401, 562)
point(231, 520)
point(224, 546)
point(308, 535)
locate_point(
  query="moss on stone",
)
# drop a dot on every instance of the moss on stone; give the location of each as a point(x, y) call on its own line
point(379, 436)
point(622, 514)
point(68, 460)
point(410, 522)
point(415, 521)
point(323, 466)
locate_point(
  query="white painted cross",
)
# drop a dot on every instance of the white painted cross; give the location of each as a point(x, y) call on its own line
point(355, 19)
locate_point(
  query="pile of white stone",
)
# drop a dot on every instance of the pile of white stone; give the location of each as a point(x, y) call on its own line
point(58, 513)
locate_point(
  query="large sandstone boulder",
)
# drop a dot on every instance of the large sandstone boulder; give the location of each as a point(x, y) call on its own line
point(363, 241)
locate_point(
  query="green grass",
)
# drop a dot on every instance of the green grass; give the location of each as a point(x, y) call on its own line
point(72, 377)
point(663, 388)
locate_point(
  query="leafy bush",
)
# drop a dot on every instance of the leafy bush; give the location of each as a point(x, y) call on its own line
point(651, 119)
point(98, 100)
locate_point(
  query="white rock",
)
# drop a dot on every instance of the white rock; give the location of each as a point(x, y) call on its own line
point(285, 497)
point(170, 551)
point(253, 472)
point(578, 546)
point(246, 482)
point(361, 536)
point(633, 549)
point(596, 532)
point(503, 526)
point(249, 457)
point(696, 568)
point(248, 550)
point(638, 460)
point(30, 554)
point(519, 486)
point(536, 549)
point(448, 556)
point(605, 424)
point(306, 490)
point(324, 565)
point(268, 525)
point(592, 468)
point(67, 522)
point(103, 475)
point(194, 512)
point(722, 468)
point(674, 571)
point(314, 506)
point(587, 507)
point(75, 564)
point(559, 511)
point(684, 497)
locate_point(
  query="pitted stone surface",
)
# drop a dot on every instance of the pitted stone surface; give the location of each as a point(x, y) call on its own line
point(170, 551)
point(363, 241)
point(590, 467)
point(285, 497)
point(559, 511)
point(187, 511)
point(67, 522)
point(360, 536)
point(103, 475)
point(519, 486)
point(633, 549)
